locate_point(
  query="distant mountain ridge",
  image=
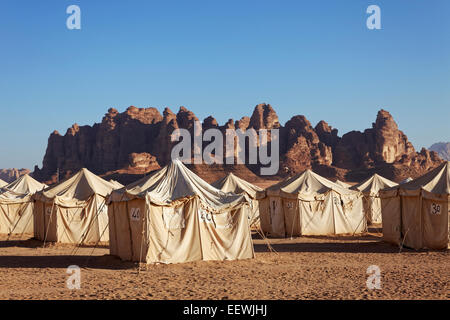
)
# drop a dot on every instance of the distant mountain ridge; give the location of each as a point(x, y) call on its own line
point(9, 175)
point(137, 141)
point(443, 149)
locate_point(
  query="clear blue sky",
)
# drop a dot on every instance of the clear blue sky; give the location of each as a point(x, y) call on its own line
point(221, 57)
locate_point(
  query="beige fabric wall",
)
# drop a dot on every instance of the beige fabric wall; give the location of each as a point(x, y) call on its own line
point(281, 217)
point(423, 222)
point(113, 234)
point(264, 215)
point(348, 214)
point(254, 218)
point(292, 217)
point(276, 217)
point(411, 221)
point(435, 228)
point(38, 220)
point(372, 209)
point(228, 237)
point(81, 224)
point(179, 233)
point(315, 216)
point(391, 216)
point(121, 241)
point(188, 232)
point(176, 243)
point(16, 218)
point(50, 223)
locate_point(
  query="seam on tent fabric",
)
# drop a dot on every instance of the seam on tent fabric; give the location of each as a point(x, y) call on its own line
point(314, 212)
point(49, 221)
point(293, 221)
point(95, 218)
point(85, 233)
point(15, 224)
point(332, 206)
point(129, 228)
point(142, 240)
point(345, 216)
point(29, 219)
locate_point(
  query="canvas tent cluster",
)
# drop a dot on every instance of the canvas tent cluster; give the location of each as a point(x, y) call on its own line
point(308, 204)
point(73, 211)
point(371, 201)
point(16, 205)
point(236, 185)
point(174, 216)
point(416, 214)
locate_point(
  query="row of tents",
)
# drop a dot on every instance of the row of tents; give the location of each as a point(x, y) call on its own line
point(173, 215)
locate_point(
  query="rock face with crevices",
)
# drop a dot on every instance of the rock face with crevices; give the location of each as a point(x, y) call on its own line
point(139, 140)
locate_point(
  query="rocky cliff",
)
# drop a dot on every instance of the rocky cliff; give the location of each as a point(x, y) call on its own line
point(137, 141)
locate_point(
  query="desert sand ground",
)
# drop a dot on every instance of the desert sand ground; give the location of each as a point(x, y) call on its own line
point(301, 268)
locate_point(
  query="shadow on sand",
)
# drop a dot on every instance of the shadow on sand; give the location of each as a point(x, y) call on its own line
point(34, 243)
point(334, 247)
point(63, 261)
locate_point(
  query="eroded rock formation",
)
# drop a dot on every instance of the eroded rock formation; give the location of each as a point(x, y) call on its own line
point(139, 140)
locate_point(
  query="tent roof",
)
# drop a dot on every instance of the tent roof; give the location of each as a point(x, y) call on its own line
point(80, 187)
point(3, 183)
point(374, 184)
point(117, 184)
point(308, 184)
point(234, 184)
point(343, 184)
point(174, 182)
point(436, 181)
point(21, 188)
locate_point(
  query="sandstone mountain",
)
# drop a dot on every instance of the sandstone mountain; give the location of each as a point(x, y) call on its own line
point(9, 175)
point(137, 141)
point(443, 149)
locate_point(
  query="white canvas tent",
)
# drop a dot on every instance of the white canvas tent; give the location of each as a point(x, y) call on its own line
point(371, 202)
point(174, 216)
point(3, 183)
point(73, 211)
point(416, 213)
point(236, 185)
point(308, 204)
point(343, 184)
point(16, 205)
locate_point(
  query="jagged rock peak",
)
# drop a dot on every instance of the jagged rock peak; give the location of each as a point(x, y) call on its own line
point(210, 122)
point(264, 117)
point(144, 115)
point(112, 111)
point(186, 118)
point(229, 124)
point(385, 120)
point(322, 126)
point(243, 124)
point(167, 112)
point(73, 130)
